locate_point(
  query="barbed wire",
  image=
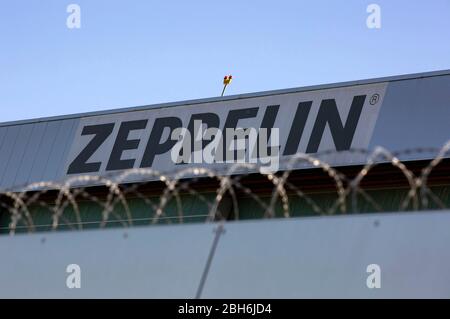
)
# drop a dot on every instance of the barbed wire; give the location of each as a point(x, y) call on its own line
point(51, 205)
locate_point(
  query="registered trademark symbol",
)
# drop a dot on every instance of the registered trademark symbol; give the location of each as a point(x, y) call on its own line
point(374, 99)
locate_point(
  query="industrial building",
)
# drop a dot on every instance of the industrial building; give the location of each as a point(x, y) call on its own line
point(333, 127)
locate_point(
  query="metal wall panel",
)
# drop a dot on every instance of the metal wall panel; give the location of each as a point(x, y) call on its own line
point(279, 258)
point(61, 165)
point(161, 262)
point(43, 154)
point(327, 257)
point(3, 130)
point(3, 156)
point(34, 145)
point(416, 113)
point(52, 171)
point(8, 147)
point(17, 154)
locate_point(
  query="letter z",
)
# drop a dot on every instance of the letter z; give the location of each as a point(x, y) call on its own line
point(101, 133)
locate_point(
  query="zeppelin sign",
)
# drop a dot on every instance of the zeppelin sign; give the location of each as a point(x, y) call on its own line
point(309, 122)
point(269, 130)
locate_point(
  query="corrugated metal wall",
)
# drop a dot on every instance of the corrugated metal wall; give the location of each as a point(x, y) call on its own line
point(34, 152)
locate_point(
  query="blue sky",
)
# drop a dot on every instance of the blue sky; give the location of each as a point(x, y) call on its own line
point(130, 53)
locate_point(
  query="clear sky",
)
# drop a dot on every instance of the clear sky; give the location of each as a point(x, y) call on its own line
point(139, 52)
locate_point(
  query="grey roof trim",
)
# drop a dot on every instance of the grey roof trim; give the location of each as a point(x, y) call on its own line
point(234, 97)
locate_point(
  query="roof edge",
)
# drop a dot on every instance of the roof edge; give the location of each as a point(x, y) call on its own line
point(394, 78)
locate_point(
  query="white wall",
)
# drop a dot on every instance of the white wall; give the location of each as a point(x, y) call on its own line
point(291, 258)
